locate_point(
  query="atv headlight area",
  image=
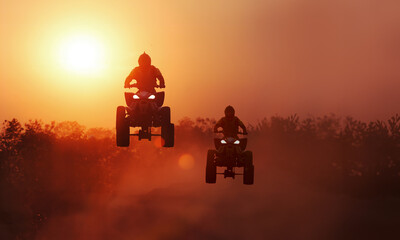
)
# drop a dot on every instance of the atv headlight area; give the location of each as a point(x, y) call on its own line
point(237, 142)
point(152, 97)
point(223, 141)
point(136, 96)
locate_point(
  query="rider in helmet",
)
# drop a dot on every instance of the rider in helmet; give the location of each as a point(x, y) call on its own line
point(230, 123)
point(146, 75)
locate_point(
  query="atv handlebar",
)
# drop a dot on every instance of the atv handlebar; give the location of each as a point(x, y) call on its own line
point(131, 86)
point(240, 133)
point(136, 86)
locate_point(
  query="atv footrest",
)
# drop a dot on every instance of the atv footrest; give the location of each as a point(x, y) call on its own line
point(137, 134)
point(229, 173)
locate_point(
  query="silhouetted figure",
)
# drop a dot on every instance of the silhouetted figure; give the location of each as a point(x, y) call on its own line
point(146, 75)
point(230, 123)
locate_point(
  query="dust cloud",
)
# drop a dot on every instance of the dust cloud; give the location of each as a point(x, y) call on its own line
point(161, 200)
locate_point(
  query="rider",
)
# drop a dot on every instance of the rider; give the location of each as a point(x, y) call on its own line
point(146, 75)
point(230, 123)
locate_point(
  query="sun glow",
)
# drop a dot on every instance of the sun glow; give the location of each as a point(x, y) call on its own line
point(82, 55)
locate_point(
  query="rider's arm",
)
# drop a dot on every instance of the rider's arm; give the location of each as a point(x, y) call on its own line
point(129, 79)
point(217, 125)
point(242, 126)
point(162, 82)
point(160, 78)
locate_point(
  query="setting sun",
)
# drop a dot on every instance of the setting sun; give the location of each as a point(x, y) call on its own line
point(82, 55)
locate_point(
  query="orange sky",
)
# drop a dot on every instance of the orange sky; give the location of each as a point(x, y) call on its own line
point(263, 57)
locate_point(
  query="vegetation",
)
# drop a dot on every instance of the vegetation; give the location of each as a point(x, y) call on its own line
point(48, 169)
point(336, 154)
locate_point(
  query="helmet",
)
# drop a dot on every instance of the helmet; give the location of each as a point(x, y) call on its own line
point(144, 60)
point(229, 111)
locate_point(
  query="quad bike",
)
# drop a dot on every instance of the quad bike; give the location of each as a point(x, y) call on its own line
point(144, 110)
point(230, 154)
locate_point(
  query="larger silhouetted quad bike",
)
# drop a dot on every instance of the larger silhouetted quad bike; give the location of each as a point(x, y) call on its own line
point(145, 111)
point(230, 154)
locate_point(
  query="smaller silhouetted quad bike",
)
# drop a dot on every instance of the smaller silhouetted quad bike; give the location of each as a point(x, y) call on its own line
point(144, 110)
point(230, 154)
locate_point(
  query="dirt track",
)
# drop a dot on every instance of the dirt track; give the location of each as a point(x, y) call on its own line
point(168, 202)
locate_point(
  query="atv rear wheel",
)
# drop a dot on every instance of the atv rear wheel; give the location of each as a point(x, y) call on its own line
point(168, 135)
point(211, 168)
point(248, 172)
point(122, 127)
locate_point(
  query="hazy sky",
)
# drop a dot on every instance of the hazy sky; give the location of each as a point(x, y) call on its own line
point(263, 57)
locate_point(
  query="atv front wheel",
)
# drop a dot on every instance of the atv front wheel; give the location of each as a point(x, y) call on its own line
point(248, 172)
point(165, 116)
point(211, 168)
point(122, 128)
point(168, 135)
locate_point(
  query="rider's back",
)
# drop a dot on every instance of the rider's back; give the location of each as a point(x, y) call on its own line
point(146, 77)
point(230, 126)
